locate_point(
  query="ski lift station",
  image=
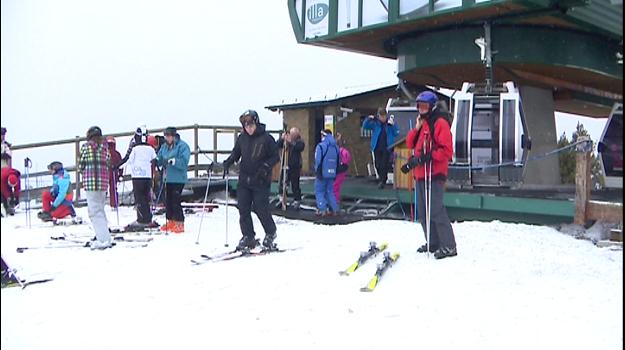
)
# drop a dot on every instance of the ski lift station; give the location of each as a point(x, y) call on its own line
point(503, 67)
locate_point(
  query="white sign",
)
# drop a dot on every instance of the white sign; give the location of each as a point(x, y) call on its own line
point(317, 13)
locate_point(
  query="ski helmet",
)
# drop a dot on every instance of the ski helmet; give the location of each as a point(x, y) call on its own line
point(428, 97)
point(170, 130)
point(141, 130)
point(94, 131)
point(55, 166)
point(249, 116)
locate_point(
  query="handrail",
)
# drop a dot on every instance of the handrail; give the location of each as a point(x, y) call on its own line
point(195, 166)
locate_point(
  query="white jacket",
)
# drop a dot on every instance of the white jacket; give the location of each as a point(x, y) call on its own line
point(140, 161)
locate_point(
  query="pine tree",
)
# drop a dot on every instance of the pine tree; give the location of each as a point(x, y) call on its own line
point(567, 159)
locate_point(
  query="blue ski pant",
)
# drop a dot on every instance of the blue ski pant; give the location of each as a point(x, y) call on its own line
point(324, 194)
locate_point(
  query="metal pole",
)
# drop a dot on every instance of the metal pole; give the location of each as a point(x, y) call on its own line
point(208, 185)
point(227, 195)
point(77, 159)
point(197, 148)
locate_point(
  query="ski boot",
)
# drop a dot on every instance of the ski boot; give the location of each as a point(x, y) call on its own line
point(296, 204)
point(45, 216)
point(268, 243)
point(246, 244)
point(424, 249)
point(445, 252)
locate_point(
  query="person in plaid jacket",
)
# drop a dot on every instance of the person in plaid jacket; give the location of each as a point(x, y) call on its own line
point(95, 164)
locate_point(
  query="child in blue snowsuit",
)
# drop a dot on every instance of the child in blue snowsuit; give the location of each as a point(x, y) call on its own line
point(326, 162)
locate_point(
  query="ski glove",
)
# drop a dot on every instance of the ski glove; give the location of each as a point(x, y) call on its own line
point(226, 164)
point(171, 161)
point(391, 119)
point(263, 172)
point(414, 162)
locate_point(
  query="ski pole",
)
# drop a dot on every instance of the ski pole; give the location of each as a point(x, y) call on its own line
point(27, 164)
point(208, 185)
point(227, 178)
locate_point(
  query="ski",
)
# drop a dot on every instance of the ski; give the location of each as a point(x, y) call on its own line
point(388, 261)
point(235, 254)
point(25, 283)
point(146, 231)
point(117, 238)
point(67, 221)
point(81, 244)
point(364, 257)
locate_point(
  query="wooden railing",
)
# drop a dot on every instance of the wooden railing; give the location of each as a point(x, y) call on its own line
point(194, 165)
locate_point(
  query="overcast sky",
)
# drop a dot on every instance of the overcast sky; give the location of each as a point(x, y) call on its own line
point(70, 64)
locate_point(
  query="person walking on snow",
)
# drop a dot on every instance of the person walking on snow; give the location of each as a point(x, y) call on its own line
point(95, 164)
point(326, 165)
point(257, 153)
point(382, 139)
point(432, 143)
point(140, 165)
point(174, 156)
point(295, 146)
point(57, 202)
point(344, 158)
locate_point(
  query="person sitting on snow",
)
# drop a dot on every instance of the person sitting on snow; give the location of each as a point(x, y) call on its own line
point(10, 185)
point(57, 202)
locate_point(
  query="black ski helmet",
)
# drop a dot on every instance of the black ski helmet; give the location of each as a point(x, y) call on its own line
point(4, 130)
point(248, 115)
point(93, 132)
point(55, 166)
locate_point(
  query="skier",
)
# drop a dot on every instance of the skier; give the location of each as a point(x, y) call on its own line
point(295, 146)
point(115, 173)
point(344, 158)
point(5, 154)
point(432, 130)
point(384, 133)
point(94, 164)
point(174, 156)
point(10, 188)
point(57, 201)
point(140, 165)
point(258, 153)
point(326, 164)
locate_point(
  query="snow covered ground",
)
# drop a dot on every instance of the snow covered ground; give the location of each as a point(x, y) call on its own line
point(512, 286)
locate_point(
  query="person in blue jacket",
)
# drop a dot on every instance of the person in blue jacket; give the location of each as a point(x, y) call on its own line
point(326, 165)
point(173, 156)
point(382, 139)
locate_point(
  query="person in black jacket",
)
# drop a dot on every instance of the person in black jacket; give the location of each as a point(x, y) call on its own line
point(295, 146)
point(258, 153)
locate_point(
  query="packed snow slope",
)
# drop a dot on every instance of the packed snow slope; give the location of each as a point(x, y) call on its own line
point(512, 286)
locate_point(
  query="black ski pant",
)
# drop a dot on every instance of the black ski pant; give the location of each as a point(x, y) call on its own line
point(252, 198)
point(382, 163)
point(173, 207)
point(293, 179)
point(441, 232)
point(141, 190)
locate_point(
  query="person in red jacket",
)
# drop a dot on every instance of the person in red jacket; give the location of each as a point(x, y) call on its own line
point(10, 185)
point(432, 144)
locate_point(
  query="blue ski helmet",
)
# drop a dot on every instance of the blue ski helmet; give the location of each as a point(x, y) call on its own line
point(428, 97)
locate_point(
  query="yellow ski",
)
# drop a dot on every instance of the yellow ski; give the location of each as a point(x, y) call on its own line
point(388, 261)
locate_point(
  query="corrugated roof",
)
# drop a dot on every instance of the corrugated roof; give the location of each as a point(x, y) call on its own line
point(332, 97)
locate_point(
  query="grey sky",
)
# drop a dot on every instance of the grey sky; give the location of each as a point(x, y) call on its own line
point(67, 65)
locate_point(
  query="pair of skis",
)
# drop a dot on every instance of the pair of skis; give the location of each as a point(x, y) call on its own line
point(387, 261)
point(235, 254)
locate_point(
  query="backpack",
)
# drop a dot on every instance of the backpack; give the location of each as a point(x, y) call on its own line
point(328, 166)
point(342, 166)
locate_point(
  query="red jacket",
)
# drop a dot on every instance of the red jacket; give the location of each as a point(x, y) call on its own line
point(440, 147)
